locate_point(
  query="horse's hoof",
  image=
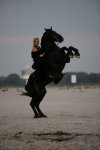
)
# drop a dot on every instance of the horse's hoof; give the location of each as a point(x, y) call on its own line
point(77, 56)
point(44, 116)
point(36, 116)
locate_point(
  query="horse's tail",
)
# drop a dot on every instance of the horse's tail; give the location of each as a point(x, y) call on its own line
point(25, 94)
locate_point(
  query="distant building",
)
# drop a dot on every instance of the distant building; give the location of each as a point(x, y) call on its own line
point(73, 78)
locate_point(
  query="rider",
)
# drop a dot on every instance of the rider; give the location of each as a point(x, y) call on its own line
point(38, 57)
point(36, 53)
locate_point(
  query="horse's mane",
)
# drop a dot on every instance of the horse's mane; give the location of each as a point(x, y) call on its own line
point(45, 40)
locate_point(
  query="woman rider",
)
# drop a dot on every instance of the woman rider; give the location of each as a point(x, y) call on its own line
point(36, 53)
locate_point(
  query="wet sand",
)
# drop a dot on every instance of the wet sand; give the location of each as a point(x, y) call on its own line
point(73, 121)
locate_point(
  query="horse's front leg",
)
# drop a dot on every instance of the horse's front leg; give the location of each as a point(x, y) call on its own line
point(76, 52)
point(69, 52)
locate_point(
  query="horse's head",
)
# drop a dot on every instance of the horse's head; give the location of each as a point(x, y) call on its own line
point(52, 36)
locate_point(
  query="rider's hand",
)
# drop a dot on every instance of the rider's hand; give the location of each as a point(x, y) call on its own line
point(41, 55)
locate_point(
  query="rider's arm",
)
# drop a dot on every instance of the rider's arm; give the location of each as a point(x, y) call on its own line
point(35, 54)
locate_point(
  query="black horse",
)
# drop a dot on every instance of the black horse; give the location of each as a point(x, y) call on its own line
point(50, 68)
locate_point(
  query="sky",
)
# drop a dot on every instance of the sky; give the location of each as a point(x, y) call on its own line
point(78, 21)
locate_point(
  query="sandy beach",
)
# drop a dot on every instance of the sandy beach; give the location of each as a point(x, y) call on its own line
point(73, 121)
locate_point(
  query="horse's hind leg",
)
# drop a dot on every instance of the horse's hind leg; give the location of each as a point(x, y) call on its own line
point(34, 109)
point(38, 103)
point(40, 112)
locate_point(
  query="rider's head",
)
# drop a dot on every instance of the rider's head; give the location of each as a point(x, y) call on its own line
point(36, 41)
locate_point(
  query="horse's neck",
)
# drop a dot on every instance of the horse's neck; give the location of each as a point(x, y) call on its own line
point(49, 47)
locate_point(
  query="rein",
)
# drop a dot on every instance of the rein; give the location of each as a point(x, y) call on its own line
point(57, 43)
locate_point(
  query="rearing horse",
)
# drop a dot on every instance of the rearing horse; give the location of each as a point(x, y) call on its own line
point(49, 70)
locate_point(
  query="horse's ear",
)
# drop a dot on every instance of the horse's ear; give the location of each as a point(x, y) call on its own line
point(51, 28)
point(45, 29)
